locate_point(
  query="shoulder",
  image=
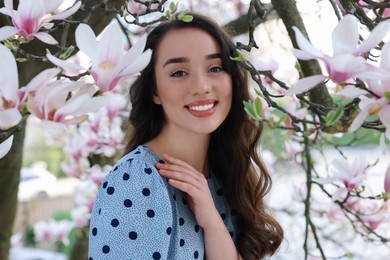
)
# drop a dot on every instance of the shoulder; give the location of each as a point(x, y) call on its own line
point(132, 211)
point(135, 175)
point(136, 166)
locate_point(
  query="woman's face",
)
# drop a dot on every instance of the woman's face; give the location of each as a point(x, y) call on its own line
point(192, 87)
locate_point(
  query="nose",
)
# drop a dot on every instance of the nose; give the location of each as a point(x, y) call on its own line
point(201, 84)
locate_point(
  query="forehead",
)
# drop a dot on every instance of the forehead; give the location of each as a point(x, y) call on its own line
point(186, 43)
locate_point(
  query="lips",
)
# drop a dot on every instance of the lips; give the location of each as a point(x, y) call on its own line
point(202, 108)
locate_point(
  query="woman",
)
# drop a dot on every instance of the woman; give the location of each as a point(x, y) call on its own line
point(191, 185)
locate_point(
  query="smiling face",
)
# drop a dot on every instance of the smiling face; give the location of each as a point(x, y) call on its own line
point(194, 90)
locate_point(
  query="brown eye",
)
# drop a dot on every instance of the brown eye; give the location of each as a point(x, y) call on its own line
point(216, 69)
point(178, 74)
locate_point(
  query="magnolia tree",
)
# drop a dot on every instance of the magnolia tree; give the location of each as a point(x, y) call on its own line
point(69, 63)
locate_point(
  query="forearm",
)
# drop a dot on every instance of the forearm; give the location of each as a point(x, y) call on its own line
point(219, 244)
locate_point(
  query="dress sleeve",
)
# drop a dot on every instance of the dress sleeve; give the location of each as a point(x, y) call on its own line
point(132, 214)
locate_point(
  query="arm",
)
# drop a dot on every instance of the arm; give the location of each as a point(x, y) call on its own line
point(218, 242)
point(131, 214)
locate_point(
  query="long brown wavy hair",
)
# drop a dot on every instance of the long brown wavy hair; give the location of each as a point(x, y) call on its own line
point(232, 154)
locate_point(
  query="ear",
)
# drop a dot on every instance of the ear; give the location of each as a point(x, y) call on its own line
point(156, 99)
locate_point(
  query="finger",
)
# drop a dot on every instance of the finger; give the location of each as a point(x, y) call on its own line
point(191, 190)
point(175, 161)
point(187, 178)
point(176, 168)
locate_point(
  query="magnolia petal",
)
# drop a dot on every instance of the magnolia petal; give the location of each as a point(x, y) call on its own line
point(139, 64)
point(135, 51)
point(94, 105)
point(55, 129)
point(57, 95)
point(75, 120)
point(6, 146)
point(305, 45)
point(4, 11)
point(352, 92)
point(375, 37)
point(48, 25)
point(110, 47)
point(340, 194)
point(46, 38)
point(372, 73)
point(358, 121)
point(382, 144)
point(82, 105)
point(86, 41)
point(38, 81)
point(385, 57)
point(51, 5)
point(9, 5)
point(9, 80)
point(302, 55)
point(387, 133)
point(340, 168)
point(31, 10)
point(7, 31)
point(384, 116)
point(327, 180)
point(68, 12)
point(71, 107)
point(9, 118)
point(305, 84)
point(345, 36)
point(387, 179)
point(64, 64)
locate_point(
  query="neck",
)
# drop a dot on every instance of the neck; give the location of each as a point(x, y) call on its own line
point(191, 148)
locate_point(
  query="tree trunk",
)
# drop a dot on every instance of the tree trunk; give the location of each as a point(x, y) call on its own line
point(290, 16)
point(10, 166)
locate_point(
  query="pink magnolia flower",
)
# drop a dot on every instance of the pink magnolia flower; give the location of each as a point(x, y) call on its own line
point(9, 100)
point(11, 97)
point(109, 62)
point(380, 104)
point(350, 175)
point(75, 168)
point(56, 108)
point(373, 213)
point(98, 173)
point(31, 16)
point(81, 216)
point(86, 193)
point(346, 62)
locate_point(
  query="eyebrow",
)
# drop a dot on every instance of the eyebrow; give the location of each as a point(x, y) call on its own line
point(185, 59)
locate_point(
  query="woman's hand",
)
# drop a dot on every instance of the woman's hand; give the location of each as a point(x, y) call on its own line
point(184, 177)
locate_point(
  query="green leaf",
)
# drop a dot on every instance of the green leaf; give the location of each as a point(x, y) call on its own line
point(21, 59)
point(258, 107)
point(172, 6)
point(186, 18)
point(348, 255)
point(334, 116)
point(387, 95)
point(239, 57)
point(168, 15)
point(67, 53)
point(183, 16)
point(249, 109)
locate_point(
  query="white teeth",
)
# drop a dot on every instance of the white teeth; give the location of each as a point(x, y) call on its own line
point(202, 108)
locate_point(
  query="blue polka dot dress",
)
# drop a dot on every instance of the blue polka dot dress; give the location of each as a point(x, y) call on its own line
point(138, 215)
